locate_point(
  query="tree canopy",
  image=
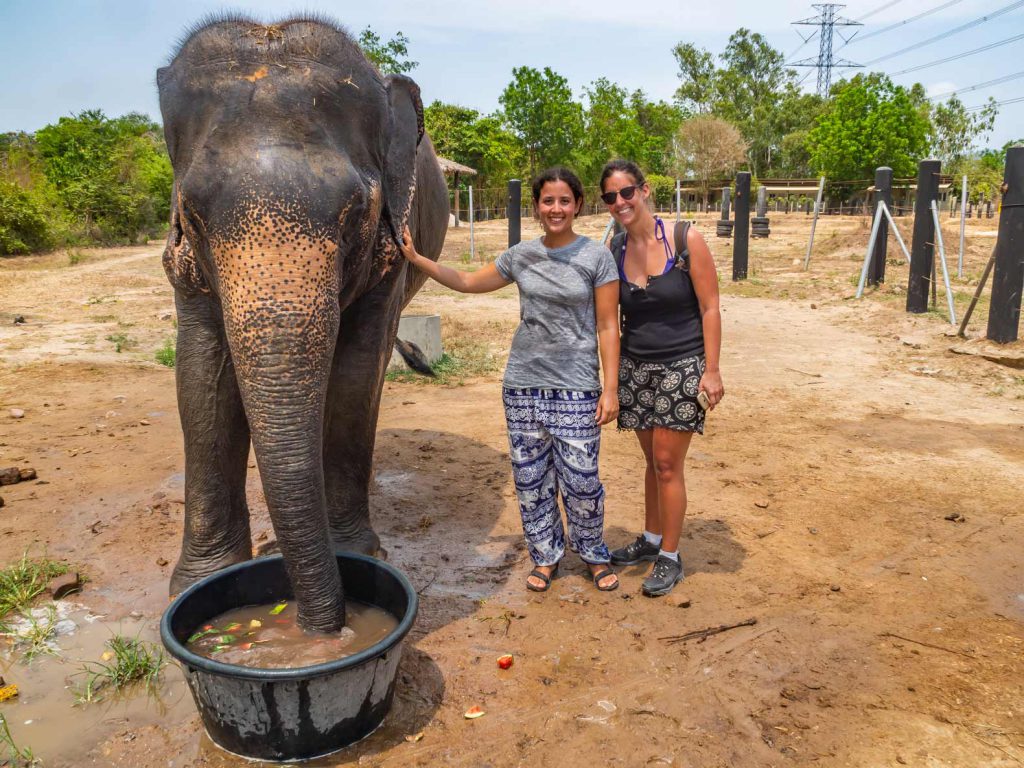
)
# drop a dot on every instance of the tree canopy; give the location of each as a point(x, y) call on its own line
point(869, 122)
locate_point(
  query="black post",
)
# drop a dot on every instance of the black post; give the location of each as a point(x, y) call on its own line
point(741, 230)
point(1008, 281)
point(922, 251)
point(515, 200)
point(883, 194)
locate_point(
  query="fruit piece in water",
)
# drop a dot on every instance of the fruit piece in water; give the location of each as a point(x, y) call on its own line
point(504, 662)
point(474, 712)
point(278, 608)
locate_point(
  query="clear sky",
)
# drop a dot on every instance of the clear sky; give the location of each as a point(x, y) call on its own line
point(63, 56)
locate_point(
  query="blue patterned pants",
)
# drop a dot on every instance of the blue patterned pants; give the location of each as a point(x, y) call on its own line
point(554, 444)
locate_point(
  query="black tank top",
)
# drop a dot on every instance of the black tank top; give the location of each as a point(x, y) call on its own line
point(661, 323)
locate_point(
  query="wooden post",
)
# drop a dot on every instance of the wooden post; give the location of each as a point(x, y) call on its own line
point(922, 249)
point(1008, 278)
point(883, 194)
point(741, 232)
point(515, 199)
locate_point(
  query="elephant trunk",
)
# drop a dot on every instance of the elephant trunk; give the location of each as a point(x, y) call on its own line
point(281, 320)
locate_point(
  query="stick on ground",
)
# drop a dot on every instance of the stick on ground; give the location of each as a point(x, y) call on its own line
point(703, 634)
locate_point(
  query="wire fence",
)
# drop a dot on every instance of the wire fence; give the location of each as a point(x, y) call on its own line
point(492, 203)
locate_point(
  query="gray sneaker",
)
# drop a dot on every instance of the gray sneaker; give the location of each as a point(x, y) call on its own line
point(638, 551)
point(665, 575)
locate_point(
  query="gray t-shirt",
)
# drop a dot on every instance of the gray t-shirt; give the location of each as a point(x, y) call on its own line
point(555, 345)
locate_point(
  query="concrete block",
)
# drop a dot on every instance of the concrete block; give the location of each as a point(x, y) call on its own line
point(422, 330)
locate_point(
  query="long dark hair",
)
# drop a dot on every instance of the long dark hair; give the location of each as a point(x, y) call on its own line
point(622, 166)
point(559, 173)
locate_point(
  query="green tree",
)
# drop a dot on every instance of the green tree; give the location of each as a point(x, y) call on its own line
point(482, 143)
point(622, 124)
point(954, 130)
point(541, 112)
point(113, 176)
point(698, 74)
point(869, 122)
point(752, 89)
point(391, 57)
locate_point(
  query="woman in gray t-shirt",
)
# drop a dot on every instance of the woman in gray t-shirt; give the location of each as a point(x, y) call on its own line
point(555, 403)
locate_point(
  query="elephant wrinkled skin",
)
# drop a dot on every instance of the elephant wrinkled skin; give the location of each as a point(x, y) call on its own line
point(296, 165)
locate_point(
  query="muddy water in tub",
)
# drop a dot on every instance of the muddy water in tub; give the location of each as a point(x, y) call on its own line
point(267, 636)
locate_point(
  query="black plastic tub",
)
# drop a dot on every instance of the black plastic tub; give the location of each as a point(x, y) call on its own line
point(290, 714)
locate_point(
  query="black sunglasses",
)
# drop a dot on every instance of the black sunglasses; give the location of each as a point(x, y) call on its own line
point(626, 192)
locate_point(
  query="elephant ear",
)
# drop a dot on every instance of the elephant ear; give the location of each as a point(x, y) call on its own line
point(399, 178)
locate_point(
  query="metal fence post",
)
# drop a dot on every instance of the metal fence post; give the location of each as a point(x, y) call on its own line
point(472, 242)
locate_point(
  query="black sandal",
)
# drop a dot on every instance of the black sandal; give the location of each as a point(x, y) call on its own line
point(603, 574)
point(546, 578)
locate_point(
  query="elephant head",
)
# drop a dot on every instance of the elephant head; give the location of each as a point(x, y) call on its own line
point(294, 172)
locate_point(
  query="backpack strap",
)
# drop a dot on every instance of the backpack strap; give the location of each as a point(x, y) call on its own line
point(682, 229)
point(615, 246)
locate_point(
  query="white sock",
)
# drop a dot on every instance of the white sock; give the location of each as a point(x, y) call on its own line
point(654, 539)
point(669, 555)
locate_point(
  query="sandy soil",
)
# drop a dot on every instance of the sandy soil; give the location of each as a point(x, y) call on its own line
point(885, 634)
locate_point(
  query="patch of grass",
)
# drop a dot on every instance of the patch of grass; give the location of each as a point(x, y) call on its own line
point(166, 355)
point(122, 341)
point(75, 257)
point(36, 640)
point(13, 755)
point(452, 369)
point(24, 581)
point(127, 662)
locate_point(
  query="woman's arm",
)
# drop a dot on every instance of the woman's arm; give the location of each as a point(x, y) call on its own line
point(705, 284)
point(606, 303)
point(481, 281)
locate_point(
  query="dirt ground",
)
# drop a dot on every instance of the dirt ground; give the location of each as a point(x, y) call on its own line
point(885, 634)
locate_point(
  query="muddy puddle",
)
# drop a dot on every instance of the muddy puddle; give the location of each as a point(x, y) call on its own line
point(267, 636)
point(46, 716)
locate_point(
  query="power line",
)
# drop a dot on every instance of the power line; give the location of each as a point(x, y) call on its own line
point(996, 104)
point(948, 33)
point(879, 9)
point(988, 47)
point(978, 86)
point(891, 27)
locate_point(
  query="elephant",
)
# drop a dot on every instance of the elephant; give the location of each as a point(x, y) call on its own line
point(297, 166)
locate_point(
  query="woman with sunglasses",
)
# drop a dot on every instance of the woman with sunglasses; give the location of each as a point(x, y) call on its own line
point(555, 404)
point(671, 338)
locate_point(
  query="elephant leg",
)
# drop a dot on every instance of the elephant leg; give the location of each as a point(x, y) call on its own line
point(216, 445)
point(367, 335)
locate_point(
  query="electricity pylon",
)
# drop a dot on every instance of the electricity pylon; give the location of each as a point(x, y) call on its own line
point(826, 21)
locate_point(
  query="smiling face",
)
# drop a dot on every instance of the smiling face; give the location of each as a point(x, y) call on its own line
point(557, 206)
point(625, 211)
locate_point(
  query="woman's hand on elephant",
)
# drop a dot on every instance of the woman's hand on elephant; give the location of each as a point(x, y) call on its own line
point(408, 249)
point(711, 384)
point(607, 408)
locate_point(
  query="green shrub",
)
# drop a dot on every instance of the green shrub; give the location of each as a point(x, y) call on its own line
point(663, 189)
point(166, 354)
point(23, 225)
